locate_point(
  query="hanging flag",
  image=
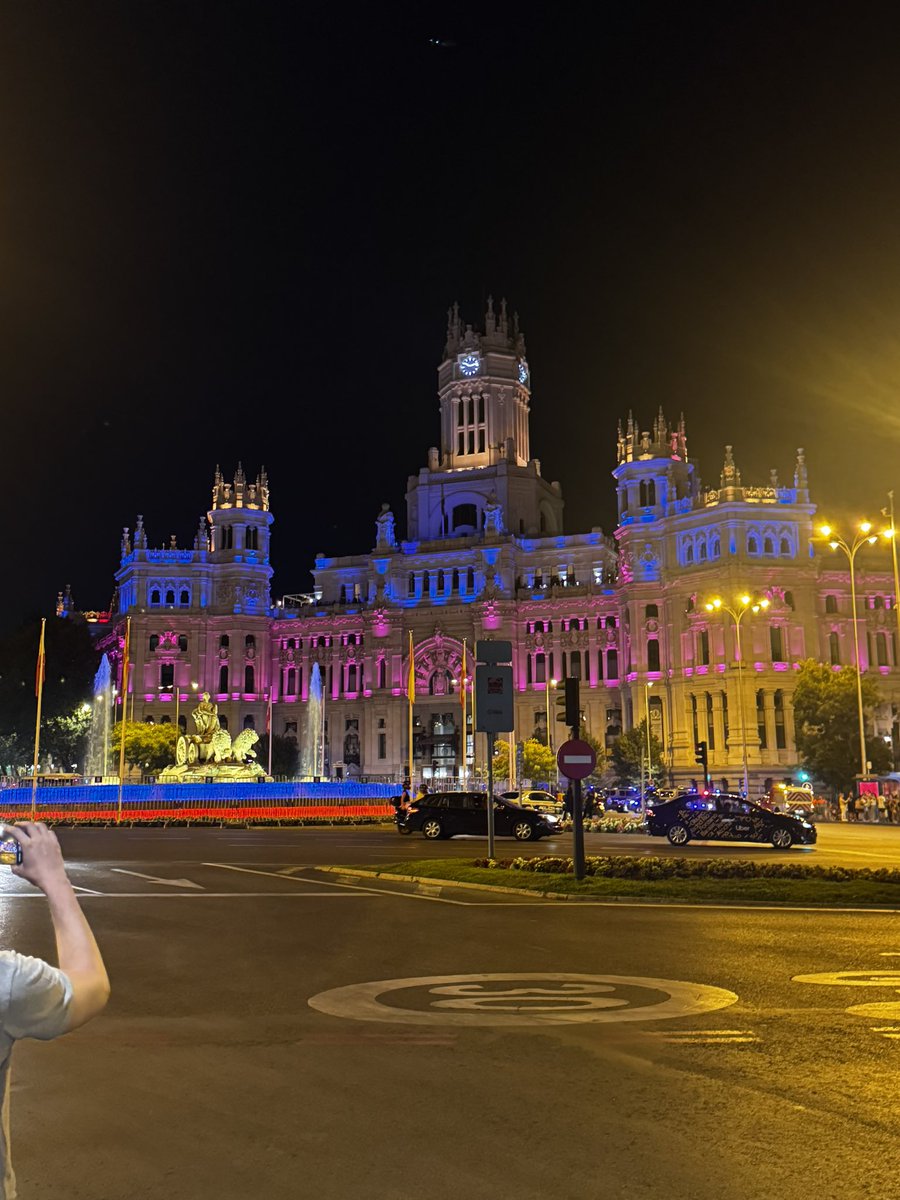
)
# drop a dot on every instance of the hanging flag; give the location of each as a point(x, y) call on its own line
point(411, 682)
point(462, 682)
point(41, 672)
point(269, 714)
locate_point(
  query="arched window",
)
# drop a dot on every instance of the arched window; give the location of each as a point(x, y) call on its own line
point(454, 581)
point(411, 585)
point(166, 720)
point(223, 679)
point(441, 583)
point(224, 642)
point(715, 548)
point(785, 548)
point(154, 640)
point(881, 649)
point(612, 664)
point(710, 722)
point(752, 544)
point(228, 538)
point(167, 675)
point(831, 604)
point(184, 598)
point(426, 583)
point(540, 668)
point(182, 642)
point(768, 546)
point(651, 611)
point(170, 596)
point(249, 721)
point(249, 678)
point(382, 673)
point(879, 602)
point(252, 542)
point(470, 579)
point(291, 682)
point(465, 518)
point(789, 599)
point(834, 649)
point(352, 674)
point(648, 493)
point(154, 597)
point(250, 642)
point(652, 654)
point(440, 683)
point(701, 550)
point(688, 552)
point(223, 720)
point(182, 722)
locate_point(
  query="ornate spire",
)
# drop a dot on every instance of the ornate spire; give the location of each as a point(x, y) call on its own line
point(201, 537)
point(682, 439)
point(140, 534)
point(620, 443)
point(731, 476)
point(490, 321)
point(801, 482)
point(126, 542)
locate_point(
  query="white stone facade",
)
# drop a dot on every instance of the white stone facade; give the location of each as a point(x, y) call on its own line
point(485, 556)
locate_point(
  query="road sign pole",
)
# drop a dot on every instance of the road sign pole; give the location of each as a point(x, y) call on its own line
point(490, 795)
point(577, 831)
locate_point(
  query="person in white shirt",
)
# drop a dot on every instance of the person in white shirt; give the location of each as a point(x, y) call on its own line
point(36, 999)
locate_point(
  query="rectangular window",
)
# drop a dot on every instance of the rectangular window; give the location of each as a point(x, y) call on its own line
point(481, 441)
point(776, 641)
point(761, 720)
point(540, 668)
point(461, 443)
point(382, 745)
point(710, 723)
point(471, 441)
point(575, 664)
point(703, 648)
point(780, 738)
point(167, 675)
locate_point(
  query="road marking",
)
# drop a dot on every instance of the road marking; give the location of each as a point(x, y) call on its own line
point(355, 886)
point(182, 883)
point(37, 895)
point(706, 1037)
point(570, 999)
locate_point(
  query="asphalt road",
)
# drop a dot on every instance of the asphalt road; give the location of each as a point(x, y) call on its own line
point(233, 1061)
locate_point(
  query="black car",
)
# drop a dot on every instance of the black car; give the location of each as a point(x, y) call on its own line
point(444, 814)
point(726, 818)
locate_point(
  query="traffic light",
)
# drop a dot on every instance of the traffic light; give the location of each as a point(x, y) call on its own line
point(568, 705)
point(700, 754)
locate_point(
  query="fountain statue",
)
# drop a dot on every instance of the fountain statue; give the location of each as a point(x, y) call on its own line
point(210, 752)
point(96, 763)
point(311, 758)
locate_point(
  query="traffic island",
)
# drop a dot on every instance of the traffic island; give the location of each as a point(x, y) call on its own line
point(620, 877)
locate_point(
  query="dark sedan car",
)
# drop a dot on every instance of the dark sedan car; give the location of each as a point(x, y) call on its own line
point(444, 814)
point(726, 818)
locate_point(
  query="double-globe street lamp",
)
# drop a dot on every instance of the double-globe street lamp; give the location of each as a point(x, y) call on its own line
point(863, 537)
point(745, 604)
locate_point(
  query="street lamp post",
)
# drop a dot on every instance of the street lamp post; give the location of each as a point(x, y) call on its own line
point(747, 604)
point(863, 537)
point(551, 683)
point(648, 684)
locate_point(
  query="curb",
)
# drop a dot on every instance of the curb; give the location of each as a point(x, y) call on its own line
point(634, 901)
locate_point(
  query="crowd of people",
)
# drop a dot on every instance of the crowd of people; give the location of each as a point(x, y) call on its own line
point(876, 810)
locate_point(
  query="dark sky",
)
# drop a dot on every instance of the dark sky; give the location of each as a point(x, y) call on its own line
point(234, 230)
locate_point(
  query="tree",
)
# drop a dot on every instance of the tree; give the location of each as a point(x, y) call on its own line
point(596, 776)
point(285, 756)
point(149, 747)
point(826, 723)
point(629, 749)
point(64, 739)
point(538, 761)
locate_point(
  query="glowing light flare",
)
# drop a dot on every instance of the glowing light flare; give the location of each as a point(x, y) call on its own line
point(865, 526)
point(825, 530)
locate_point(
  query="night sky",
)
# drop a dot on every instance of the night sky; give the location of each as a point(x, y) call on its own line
point(233, 231)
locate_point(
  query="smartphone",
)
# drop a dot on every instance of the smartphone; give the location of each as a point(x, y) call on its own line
point(10, 850)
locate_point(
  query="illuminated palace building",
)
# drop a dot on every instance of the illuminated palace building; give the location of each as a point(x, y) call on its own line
point(486, 555)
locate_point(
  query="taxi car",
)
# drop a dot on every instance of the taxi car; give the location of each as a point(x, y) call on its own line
point(726, 818)
point(537, 800)
point(446, 814)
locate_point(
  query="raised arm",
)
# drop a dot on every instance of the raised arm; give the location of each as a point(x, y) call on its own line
point(77, 949)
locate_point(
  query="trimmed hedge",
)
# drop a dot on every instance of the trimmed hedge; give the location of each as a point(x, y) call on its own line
point(625, 867)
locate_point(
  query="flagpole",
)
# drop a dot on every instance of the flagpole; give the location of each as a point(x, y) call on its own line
point(411, 697)
point(39, 690)
point(269, 723)
point(123, 723)
point(465, 727)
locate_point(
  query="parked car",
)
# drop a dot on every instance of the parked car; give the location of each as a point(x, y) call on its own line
point(726, 818)
point(445, 814)
point(537, 800)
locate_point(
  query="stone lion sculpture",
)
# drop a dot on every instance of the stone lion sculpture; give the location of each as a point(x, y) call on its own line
point(223, 749)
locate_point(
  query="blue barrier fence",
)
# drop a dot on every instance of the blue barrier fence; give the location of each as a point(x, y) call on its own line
point(254, 794)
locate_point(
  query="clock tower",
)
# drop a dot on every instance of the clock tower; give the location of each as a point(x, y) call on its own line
point(483, 471)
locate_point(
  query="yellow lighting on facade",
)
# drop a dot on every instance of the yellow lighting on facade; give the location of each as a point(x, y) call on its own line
point(825, 530)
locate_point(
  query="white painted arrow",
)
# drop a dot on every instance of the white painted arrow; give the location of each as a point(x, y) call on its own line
point(183, 883)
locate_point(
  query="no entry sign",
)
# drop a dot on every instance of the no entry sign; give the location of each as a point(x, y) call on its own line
point(576, 759)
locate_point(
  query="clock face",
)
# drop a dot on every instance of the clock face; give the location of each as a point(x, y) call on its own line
point(469, 364)
point(523, 371)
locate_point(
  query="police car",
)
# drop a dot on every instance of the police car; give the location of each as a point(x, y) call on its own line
point(726, 818)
